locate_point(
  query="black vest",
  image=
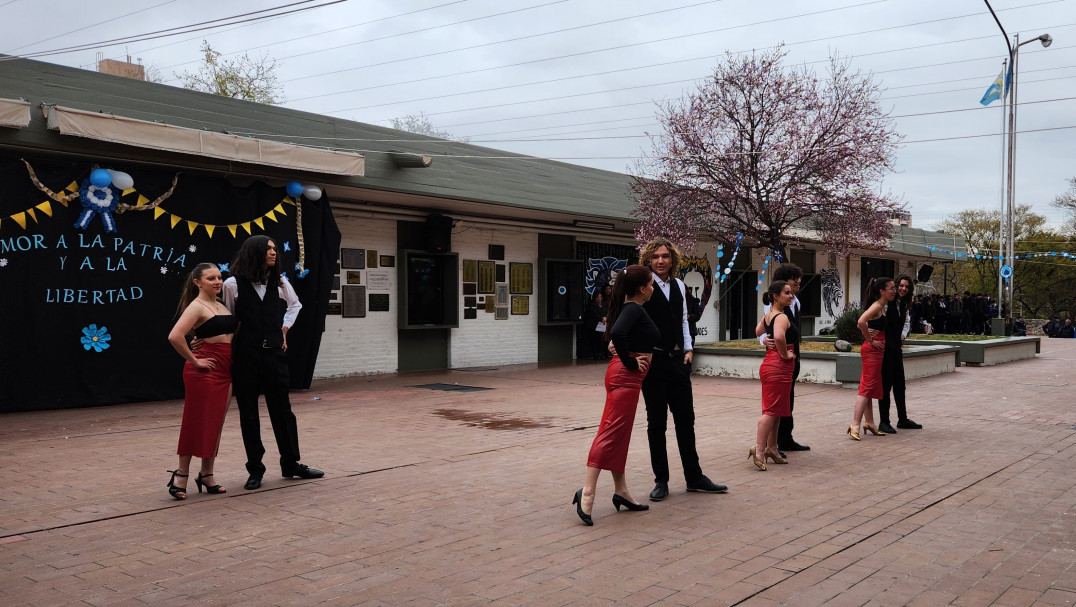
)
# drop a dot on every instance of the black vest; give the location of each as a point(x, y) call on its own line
point(794, 320)
point(261, 320)
point(894, 325)
point(668, 315)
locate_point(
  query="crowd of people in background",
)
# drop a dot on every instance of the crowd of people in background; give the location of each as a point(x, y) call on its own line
point(969, 314)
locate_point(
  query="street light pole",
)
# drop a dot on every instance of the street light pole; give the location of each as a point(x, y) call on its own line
point(1010, 205)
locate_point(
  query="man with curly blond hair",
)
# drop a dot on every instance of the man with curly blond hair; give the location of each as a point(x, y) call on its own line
point(667, 386)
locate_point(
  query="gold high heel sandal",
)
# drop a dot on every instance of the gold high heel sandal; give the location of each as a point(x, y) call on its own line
point(760, 464)
point(873, 430)
point(853, 432)
point(776, 458)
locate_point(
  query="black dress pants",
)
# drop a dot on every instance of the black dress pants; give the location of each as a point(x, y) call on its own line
point(892, 379)
point(667, 388)
point(265, 370)
point(784, 430)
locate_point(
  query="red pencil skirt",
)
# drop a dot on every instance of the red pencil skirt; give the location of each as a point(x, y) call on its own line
point(776, 375)
point(870, 378)
point(609, 451)
point(206, 402)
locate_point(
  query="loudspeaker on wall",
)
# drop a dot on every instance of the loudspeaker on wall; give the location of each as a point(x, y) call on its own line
point(438, 234)
point(924, 273)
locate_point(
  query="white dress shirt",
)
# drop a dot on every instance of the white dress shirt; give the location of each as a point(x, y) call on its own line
point(664, 286)
point(231, 292)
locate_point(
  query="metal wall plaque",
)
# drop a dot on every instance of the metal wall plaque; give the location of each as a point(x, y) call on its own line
point(487, 276)
point(521, 278)
point(354, 304)
point(354, 259)
point(521, 304)
point(470, 270)
point(354, 277)
point(379, 302)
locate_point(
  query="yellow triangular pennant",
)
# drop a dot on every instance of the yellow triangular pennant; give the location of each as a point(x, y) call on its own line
point(231, 228)
point(141, 200)
point(271, 215)
point(246, 226)
point(20, 218)
point(45, 208)
point(280, 209)
point(175, 219)
point(287, 199)
point(73, 187)
point(30, 212)
point(260, 223)
point(191, 225)
point(126, 192)
point(209, 229)
point(157, 212)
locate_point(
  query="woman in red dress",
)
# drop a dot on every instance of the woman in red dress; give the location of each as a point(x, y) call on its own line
point(881, 292)
point(775, 373)
point(634, 336)
point(207, 376)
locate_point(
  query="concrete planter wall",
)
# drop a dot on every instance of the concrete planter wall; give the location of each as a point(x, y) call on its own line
point(989, 351)
point(824, 367)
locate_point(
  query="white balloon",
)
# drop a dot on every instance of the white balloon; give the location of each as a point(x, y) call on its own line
point(312, 192)
point(121, 180)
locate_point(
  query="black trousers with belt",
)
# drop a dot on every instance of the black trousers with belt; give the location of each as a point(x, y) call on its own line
point(667, 388)
point(257, 370)
point(784, 430)
point(892, 379)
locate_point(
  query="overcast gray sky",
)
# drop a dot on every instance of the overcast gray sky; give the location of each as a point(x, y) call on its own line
point(576, 80)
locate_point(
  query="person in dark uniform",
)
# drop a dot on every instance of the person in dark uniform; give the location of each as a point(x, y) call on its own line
point(897, 326)
point(266, 307)
point(667, 387)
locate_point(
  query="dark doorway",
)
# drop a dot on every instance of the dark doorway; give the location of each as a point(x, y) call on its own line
point(741, 300)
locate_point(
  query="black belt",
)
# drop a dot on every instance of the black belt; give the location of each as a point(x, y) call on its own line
point(669, 353)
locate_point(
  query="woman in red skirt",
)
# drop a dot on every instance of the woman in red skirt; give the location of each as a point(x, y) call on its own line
point(775, 373)
point(207, 376)
point(881, 292)
point(634, 336)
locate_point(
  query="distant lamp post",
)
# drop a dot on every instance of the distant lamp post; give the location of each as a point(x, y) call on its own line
point(1010, 192)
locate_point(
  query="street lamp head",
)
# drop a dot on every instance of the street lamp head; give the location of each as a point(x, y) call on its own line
point(1046, 40)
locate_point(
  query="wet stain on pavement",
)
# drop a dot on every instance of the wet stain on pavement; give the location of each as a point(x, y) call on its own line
point(490, 421)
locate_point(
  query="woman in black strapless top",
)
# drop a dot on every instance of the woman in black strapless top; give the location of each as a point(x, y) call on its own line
point(880, 293)
point(207, 376)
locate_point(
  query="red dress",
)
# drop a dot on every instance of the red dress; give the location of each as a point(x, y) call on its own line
point(870, 378)
point(609, 451)
point(776, 376)
point(206, 401)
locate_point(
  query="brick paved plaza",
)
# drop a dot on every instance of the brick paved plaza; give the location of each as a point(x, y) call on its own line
point(463, 498)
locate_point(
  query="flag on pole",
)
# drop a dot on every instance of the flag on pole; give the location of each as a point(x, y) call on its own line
point(995, 91)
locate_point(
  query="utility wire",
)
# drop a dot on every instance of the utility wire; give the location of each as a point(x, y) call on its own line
point(92, 25)
point(207, 25)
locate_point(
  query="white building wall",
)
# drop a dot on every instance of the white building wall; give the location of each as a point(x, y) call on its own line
point(484, 340)
point(362, 346)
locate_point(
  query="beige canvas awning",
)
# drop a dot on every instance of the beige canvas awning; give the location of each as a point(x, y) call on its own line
point(152, 135)
point(14, 113)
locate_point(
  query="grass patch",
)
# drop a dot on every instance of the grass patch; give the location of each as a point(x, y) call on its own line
point(953, 337)
point(805, 346)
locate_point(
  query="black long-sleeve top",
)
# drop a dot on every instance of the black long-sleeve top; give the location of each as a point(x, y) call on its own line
point(633, 331)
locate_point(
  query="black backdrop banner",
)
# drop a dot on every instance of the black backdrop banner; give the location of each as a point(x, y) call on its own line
point(86, 312)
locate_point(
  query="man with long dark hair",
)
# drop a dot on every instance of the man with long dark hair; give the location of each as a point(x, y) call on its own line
point(667, 387)
point(266, 307)
point(897, 326)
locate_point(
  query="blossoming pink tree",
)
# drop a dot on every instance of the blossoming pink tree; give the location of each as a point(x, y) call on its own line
point(761, 149)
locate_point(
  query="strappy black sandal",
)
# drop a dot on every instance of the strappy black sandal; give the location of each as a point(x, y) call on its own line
point(175, 490)
point(212, 489)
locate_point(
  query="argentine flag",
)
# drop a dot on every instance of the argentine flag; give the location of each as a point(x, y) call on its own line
point(995, 91)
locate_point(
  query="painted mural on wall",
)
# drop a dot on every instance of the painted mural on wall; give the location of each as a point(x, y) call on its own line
point(831, 291)
point(698, 276)
point(90, 287)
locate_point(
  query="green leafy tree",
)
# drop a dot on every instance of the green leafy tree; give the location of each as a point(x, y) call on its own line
point(243, 77)
point(1042, 286)
point(1067, 202)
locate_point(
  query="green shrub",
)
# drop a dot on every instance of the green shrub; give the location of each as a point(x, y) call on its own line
point(846, 328)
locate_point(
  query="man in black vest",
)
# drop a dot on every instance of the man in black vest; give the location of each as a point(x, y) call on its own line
point(667, 387)
point(266, 307)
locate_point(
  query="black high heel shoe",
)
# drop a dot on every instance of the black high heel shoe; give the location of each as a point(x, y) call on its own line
point(578, 501)
point(211, 489)
point(620, 501)
point(173, 490)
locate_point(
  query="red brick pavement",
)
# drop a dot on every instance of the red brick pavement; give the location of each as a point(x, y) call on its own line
point(462, 498)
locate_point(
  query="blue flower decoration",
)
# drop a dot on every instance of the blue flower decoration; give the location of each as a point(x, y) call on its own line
point(223, 267)
point(304, 272)
point(287, 245)
point(95, 339)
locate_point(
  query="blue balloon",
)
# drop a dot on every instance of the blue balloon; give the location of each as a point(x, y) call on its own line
point(101, 178)
point(294, 188)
